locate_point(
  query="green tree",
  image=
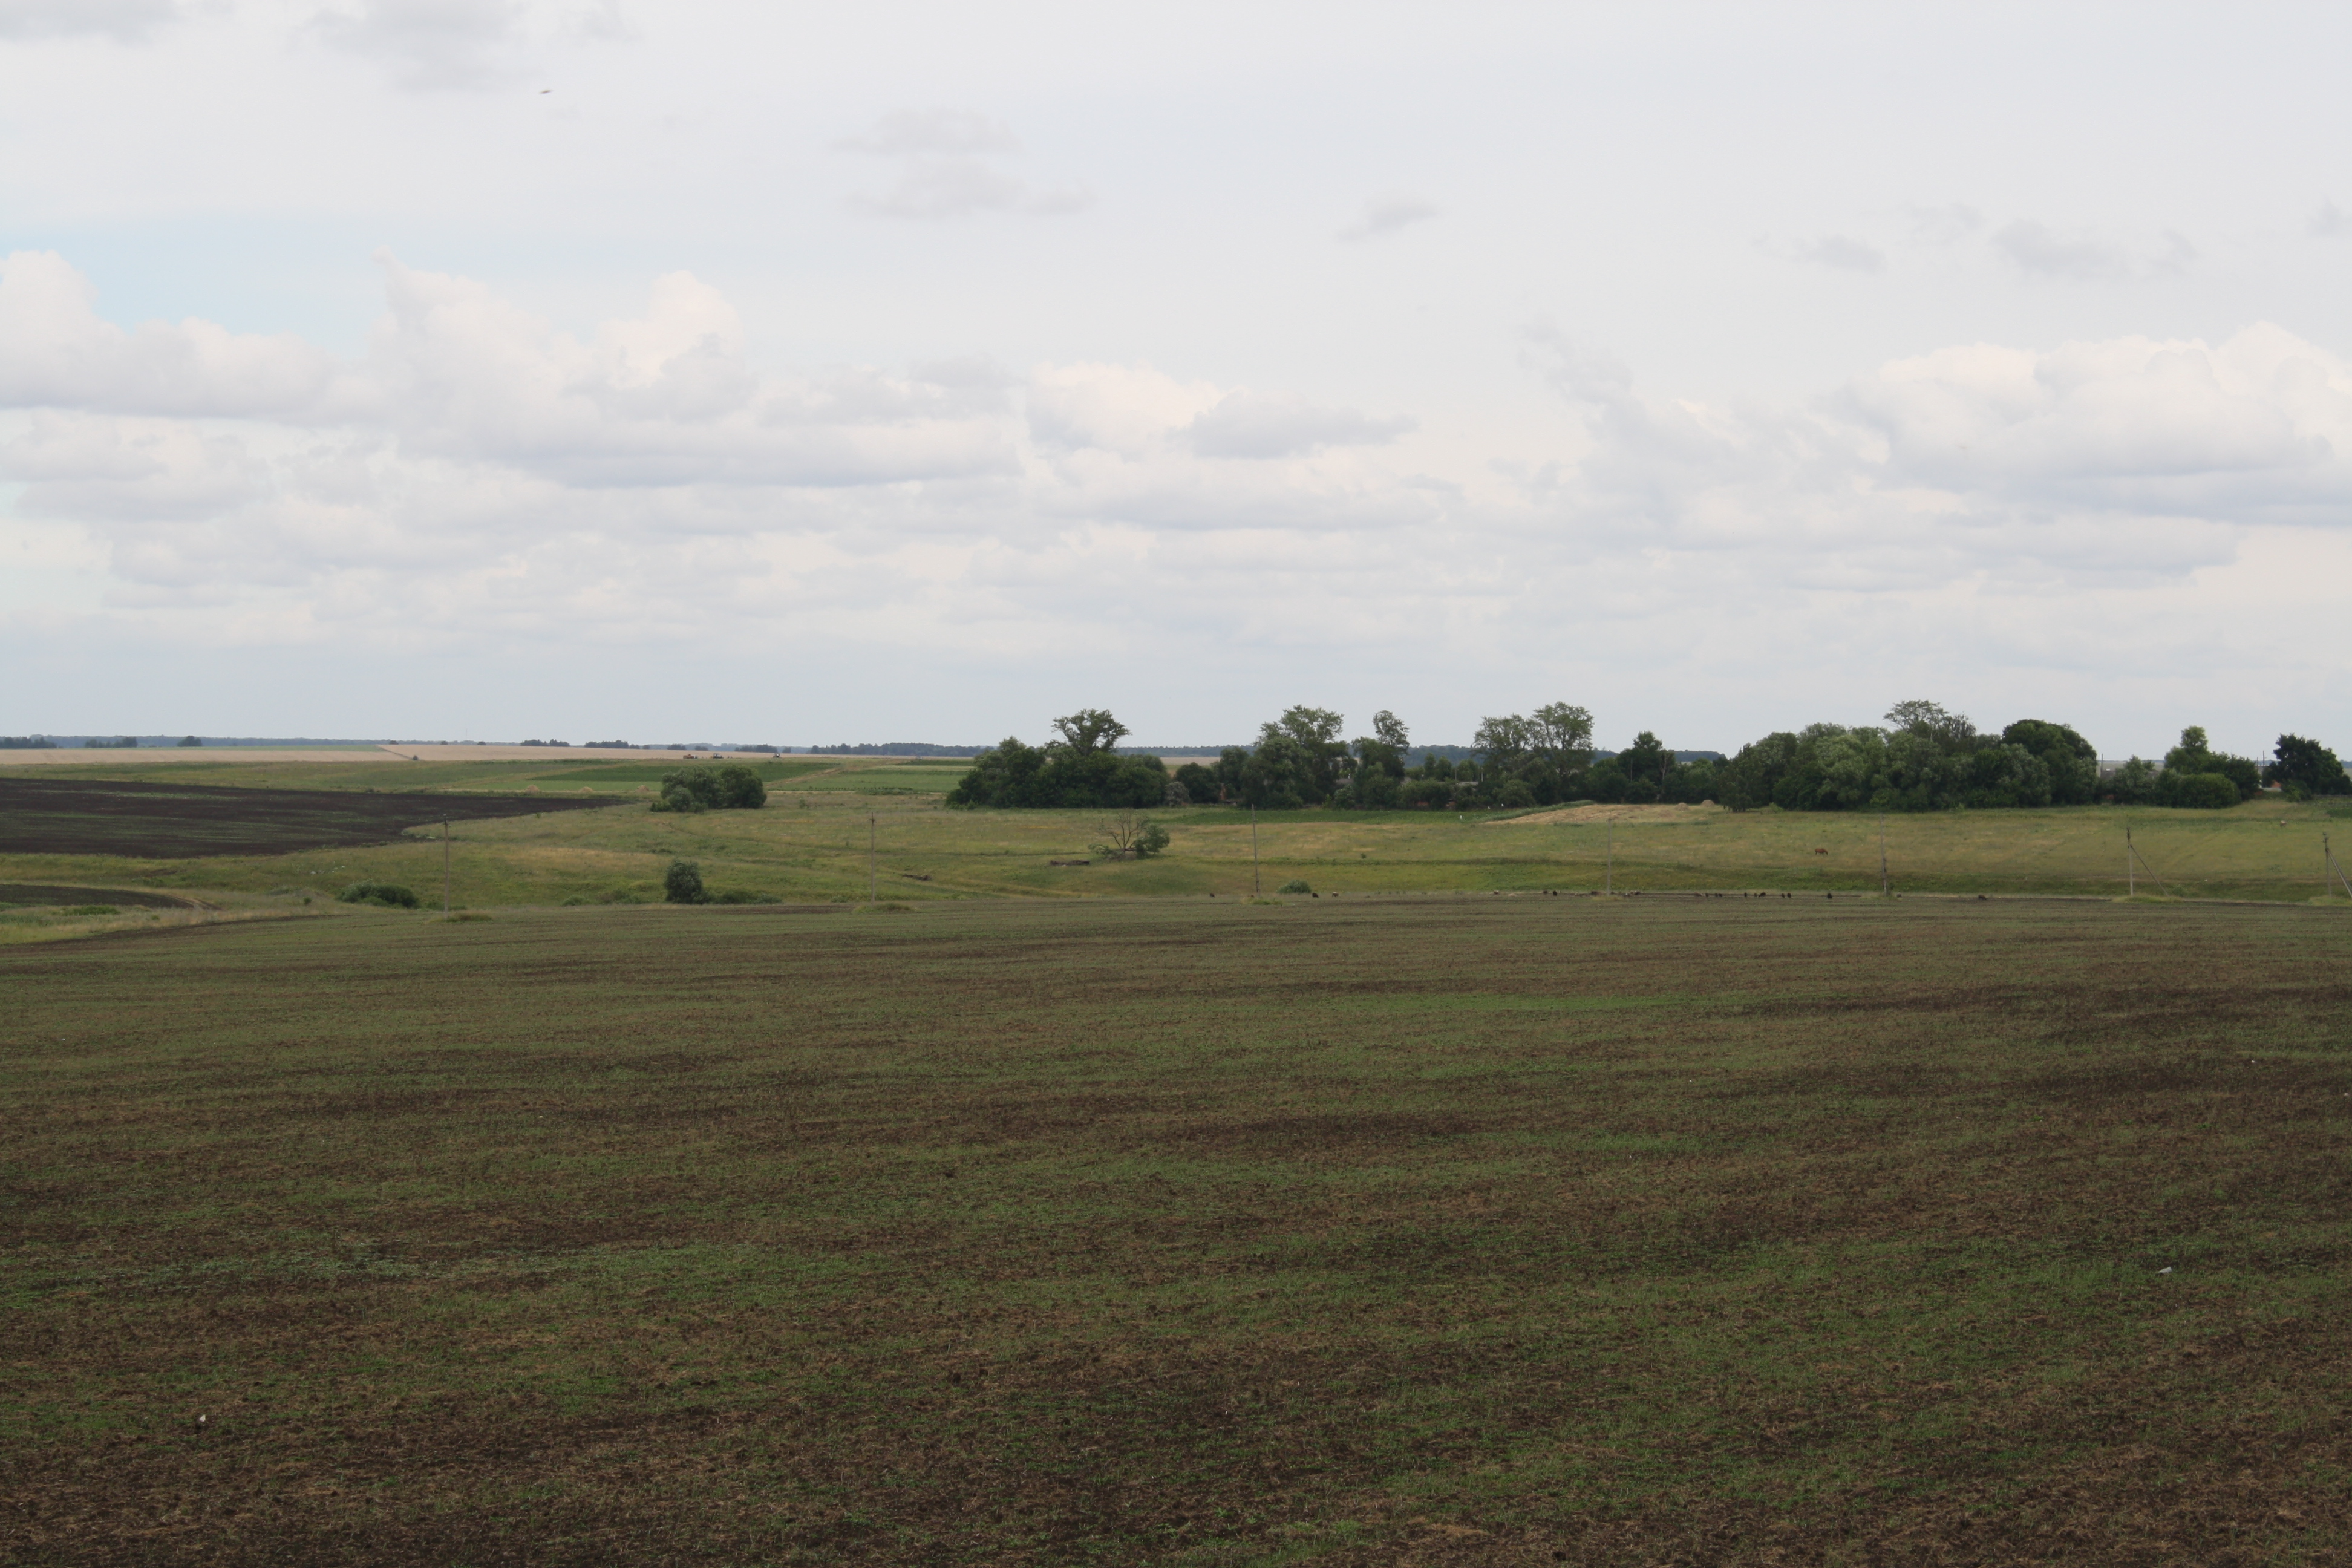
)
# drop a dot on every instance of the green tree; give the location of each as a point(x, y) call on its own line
point(1199, 783)
point(2072, 760)
point(1074, 773)
point(2299, 764)
point(682, 884)
point(2195, 757)
point(1316, 760)
point(1091, 730)
point(732, 787)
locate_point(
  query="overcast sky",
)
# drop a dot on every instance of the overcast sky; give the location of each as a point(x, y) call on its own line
point(794, 373)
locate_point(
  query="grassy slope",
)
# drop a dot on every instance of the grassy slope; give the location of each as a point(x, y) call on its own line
point(810, 842)
point(1465, 1230)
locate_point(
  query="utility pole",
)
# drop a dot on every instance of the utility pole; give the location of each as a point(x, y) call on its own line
point(873, 833)
point(1255, 890)
point(1882, 855)
point(445, 868)
point(2131, 872)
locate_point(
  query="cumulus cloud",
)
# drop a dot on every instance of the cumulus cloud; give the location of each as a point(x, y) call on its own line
point(1843, 253)
point(1386, 214)
point(955, 131)
point(60, 352)
point(430, 44)
point(2039, 251)
point(1246, 425)
point(944, 168)
point(1946, 225)
point(477, 473)
point(125, 20)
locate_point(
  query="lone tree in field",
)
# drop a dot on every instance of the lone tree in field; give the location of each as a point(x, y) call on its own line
point(1131, 837)
point(682, 884)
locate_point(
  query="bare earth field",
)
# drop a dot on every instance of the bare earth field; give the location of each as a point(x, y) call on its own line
point(1505, 1229)
point(177, 821)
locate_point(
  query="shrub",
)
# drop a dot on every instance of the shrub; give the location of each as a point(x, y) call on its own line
point(1199, 785)
point(2204, 792)
point(1296, 885)
point(741, 896)
point(390, 895)
point(733, 787)
point(682, 884)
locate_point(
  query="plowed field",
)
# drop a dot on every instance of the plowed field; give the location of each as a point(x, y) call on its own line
point(1481, 1231)
point(176, 821)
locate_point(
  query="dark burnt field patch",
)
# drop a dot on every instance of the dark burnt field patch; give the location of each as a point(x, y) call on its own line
point(1483, 1232)
point(176, 821)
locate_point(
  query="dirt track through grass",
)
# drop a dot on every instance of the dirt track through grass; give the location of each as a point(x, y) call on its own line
point(1475, 1231)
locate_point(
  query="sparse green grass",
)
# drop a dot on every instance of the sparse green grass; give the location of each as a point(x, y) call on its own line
point(810, 844)
point(1443, 1230)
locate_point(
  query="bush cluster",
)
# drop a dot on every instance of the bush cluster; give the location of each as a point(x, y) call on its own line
point(390, 895)
point(1079, 769)
point(733, 787)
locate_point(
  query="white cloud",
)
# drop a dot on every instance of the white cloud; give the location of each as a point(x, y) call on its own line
point(955, 131)
point(943, 170)
point(1244, 424)
point(1843, 253)
point(1386, 214)
point(1946, 225)
point(2330, 222)
point(2039, 251)
point(59, 353)
point(431, 44)
point(126, 20)
point(481, 479)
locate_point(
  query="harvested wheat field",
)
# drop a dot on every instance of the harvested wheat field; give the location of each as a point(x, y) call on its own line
point(1434, 1231)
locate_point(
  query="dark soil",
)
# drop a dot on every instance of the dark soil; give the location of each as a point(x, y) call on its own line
point(39, 893)
point(176, 821)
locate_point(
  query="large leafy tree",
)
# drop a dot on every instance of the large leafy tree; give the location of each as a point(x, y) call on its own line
point(2072, 760)
point(1078, 770)
point(1300, 759)
point(2195, 758)
point(1091, 730)
point(2297, 761)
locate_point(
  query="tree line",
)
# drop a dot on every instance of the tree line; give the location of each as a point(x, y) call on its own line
point(1923, 758)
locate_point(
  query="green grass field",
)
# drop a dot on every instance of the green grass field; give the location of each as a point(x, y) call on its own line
point(810, 842)
point(1440, 1230)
